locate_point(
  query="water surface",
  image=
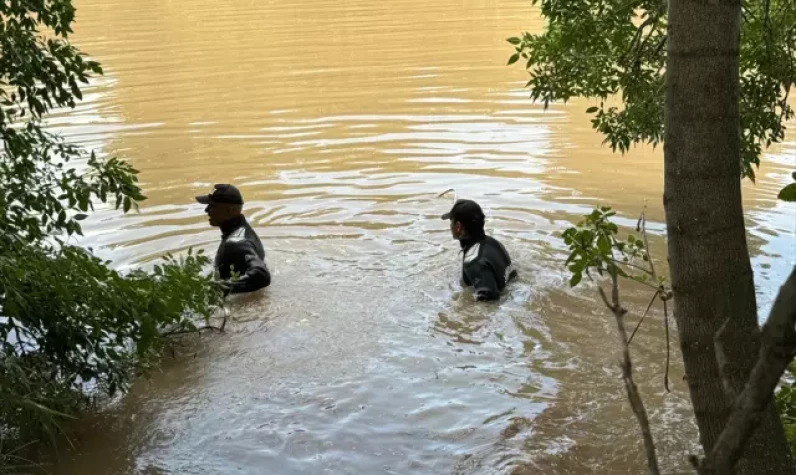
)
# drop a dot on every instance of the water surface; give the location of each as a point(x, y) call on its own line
point(340, 122)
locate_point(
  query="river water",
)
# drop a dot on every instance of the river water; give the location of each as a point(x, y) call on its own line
point(340, 122)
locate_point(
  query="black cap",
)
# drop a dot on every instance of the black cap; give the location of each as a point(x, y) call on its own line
point(466, 212)
point(226, 194)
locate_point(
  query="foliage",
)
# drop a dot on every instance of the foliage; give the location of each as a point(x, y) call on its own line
point(70, 326)
point(786, 405)
point(594, 246)
point(600, 49)
point(48, 184)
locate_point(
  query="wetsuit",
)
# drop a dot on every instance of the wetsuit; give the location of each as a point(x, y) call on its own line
point(486, 266)
point(242, 252)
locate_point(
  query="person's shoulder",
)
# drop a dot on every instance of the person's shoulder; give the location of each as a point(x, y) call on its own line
point(239, 240)
point(237, 236)
point(495, 244)
point(492, 241)
point(472, 253)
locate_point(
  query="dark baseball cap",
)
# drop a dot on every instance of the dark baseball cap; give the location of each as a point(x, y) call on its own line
point(227, 194)
point(465, 211)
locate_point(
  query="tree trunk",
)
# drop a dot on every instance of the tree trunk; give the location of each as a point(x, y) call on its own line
point(709, 261)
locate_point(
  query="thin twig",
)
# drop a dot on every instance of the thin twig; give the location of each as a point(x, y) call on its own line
point(664, 295)
point(647, 243)
point(634, 42)
point(195, 330)
point(636, 403)
point(20, 343)
point(615, 261)
point(652, 301)
point(660, 46)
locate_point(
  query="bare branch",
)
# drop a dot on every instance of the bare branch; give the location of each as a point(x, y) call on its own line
point(605, 299)
point(777, 351)
point(647, 243)
point(636, 42)
point(652, 301)
point(618, 262)
point(662, 292)
point(196, 330)
point(636, 403)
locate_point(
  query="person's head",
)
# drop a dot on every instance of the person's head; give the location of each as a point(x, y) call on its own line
point(467, 220)
point(223, 204)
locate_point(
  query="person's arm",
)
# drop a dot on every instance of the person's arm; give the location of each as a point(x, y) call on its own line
point(484, 282)
point(255, 275)
point(463, 280)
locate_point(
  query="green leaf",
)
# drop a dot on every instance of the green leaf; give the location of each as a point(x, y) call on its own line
point(80, 216)
point(575, 279)
point(788, 193)
point(603, 244)
point(513, 59)
point(592, 109)
point(514, 40)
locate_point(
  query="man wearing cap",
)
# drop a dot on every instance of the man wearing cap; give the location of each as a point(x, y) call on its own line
point(486, 266)
point(241, 250)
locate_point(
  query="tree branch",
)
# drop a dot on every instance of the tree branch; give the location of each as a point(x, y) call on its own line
point(627, 376)
point(652, 301)
point(636, 43)
point(662, 292)
point(777, 351)
point(643, 229)
point(196, 330)
point(618, 262)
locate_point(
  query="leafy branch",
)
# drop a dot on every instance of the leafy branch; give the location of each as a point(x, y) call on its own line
point(600, 50)
point(594, 246)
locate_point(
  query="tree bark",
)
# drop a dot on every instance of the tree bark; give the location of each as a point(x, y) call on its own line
point(779, 348)
point(709, 261)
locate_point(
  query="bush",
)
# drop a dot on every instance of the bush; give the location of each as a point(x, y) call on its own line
point(71, 328)
point(786, 405)
point(74, 328)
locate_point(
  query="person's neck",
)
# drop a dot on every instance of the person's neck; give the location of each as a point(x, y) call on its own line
point(466, 241)
point(232, 224)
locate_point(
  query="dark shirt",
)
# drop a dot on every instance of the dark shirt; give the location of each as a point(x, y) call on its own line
point(486, 266)
point(242, 252)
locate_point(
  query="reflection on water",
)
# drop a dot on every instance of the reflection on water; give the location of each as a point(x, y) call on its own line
point(341, 121)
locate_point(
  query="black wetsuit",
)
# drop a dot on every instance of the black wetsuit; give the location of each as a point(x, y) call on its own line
point(486, 266)
point(242, 252)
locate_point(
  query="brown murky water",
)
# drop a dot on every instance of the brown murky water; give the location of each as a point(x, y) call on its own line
point(340, 121)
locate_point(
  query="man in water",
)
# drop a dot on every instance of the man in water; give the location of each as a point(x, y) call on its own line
point(486, 266)
point(241, 250)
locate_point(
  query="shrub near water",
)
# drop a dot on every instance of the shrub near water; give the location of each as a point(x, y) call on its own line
point(73, 327)
point(70, 327)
